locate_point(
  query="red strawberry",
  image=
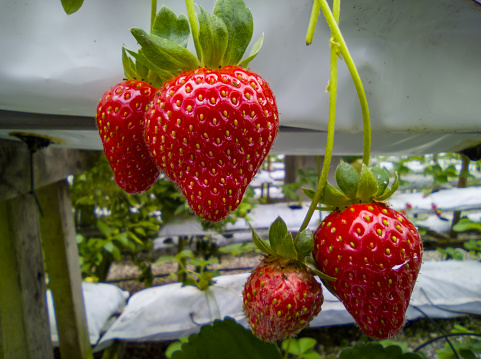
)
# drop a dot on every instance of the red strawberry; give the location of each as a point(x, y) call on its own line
point(375, 254)
point(209, 131)
point(120, 120)
point(281, 297)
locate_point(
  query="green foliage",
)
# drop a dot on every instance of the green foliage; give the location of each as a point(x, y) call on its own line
point(303, 348)
point(226, 339)
point(71, 6)
point(376, 351)
point(201, 277)
point(239, 248)
point(474, 247)
point(111, 223)
point(465, 346)
point(451, 253)
point(439, 174)
point(307, 179)
point(466, 224)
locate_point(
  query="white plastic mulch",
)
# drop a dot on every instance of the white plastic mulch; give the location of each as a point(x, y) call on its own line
point(444, 289)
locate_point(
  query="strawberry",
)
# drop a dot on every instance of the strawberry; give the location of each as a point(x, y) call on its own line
point(120, 119)
point(373, 252)
point(209, 131)
point(281, 297)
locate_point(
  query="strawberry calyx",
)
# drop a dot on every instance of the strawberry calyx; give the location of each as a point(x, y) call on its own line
point(220, 38)
point(282, 246)
point(369, 185)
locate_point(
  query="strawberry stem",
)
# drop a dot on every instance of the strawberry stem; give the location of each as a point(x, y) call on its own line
point(194, 27)
point(153, 13)
point(330, 126)
point(336, 34)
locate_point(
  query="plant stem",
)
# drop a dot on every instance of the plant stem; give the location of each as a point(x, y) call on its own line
point(153, 13)
point(194, 26)
point(286, 354)
point(330, 126)
point(336, 34)
point(311, 28)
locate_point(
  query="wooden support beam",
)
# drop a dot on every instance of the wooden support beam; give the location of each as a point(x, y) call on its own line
point(51, 164)
point(65, 281)
point(23, 310)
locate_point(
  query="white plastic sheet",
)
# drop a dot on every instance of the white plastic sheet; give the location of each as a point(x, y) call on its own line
point(443, 290)
point(102, 301)
point(419, 62)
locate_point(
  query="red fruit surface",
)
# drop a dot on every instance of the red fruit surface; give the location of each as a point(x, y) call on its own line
point(209, 131)
point(375, 253)
point(281, 297)
point(120, 120)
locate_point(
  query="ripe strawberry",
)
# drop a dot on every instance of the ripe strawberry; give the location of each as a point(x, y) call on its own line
point(375, 254)
point(209, 131)
point(120, 120)
point(281, 297)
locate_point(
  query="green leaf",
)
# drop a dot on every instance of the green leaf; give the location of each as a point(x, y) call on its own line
point(104, 228)
point(376, 351)
point(254, 51)
point(71, 6)
point(113, 250)
point(333, 197)
point(129, 66)
point(367, 185)
point(238, 248)
point(286, 248)
point(164, 259)
point(168, 26)
point(306, 344)
point(382, 179)
point(304, 244)
point(347, 179)
point(277, 233)
point(226, 339)
point(240, 27)
point(175, 346)
point(466, 224)
point(165, 54)
point(143, 61)
point(213, 39)
point(260, 243)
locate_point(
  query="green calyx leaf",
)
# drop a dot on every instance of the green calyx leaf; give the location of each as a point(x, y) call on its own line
point(168, 26)
point(382, 179)
point(263, 246)
point(220, 39)
point(389, 191)
point(164, 53)
point(347, 179)
point(282, 244)
point(367, 185)
point(240, 27)
point(213, 39)
point(304, 244)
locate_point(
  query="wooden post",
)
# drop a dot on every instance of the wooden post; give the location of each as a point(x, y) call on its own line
point(23, 310)
point(24, 321)
point(57, 230)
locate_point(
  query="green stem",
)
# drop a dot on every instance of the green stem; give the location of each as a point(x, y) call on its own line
point(194, 26)
point(153, 13)
point(316, 8)
point(286, 354)
point(336, 33)
point(330, 126)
